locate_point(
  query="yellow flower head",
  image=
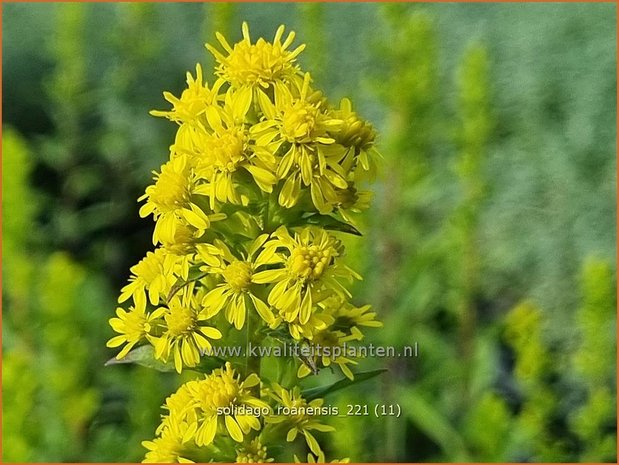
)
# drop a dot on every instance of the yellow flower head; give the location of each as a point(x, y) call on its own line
point(349, 318)
point(301, 417)
point(171, 444)
point(320, 458)
point(234, 293)
point(254, 452)
point(310, 267)
point(354, 131)
point(220, 151)
point(299, 126)
point(133, 327)
point(155, 275)
point(171, 201)
point(185, 335)
point(219, 390)
point(318, 321)
point(260, 64)
point(327, 341)
point(192, 102)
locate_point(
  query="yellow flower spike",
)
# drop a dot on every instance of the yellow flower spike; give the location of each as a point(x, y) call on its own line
point(264, 150)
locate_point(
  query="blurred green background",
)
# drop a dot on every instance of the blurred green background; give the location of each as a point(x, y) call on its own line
point(491, 241)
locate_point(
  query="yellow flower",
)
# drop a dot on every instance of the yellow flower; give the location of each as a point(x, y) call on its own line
point(349, 318)
point(220, 390)
point(358, 136)
point(154, 274)
point(254, 452)
point(351, 200)
point(171, 444)
point(257, 65)
point(184, 332)
point(133, 326)
point(193, 100)
point(320, 458)
point(310, 266)
point(299, 420)
point(300, 127)
point(235, 291)
point(221, 152)
point(317, 322)
point(325, 343)
point(170, 201)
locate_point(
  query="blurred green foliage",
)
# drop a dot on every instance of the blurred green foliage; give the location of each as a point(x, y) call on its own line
point(493, 228)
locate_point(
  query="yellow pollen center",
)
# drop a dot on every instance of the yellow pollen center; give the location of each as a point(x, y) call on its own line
point(261, 62)
point(180, 321)
point(148, 269)
point(136, 326)
point(218, 391)
point(298, 122)
point(170, 191)
point(298, 405)
point(238, 275)
point(309, 262)
point(225, 151)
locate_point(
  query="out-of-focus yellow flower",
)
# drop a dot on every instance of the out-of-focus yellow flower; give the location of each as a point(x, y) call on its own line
point(185, 335)
point(254, 452)
point(310, 266)
point(358, 137)
point(347, 317)
point(299, 420)
point(235, 291)
point(257, 65)
point(317, 322)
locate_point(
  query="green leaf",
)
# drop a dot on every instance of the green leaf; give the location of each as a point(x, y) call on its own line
point(330, 223)
point(434, 425)
point(321, 391)
point(145, 356)
point(208, 364)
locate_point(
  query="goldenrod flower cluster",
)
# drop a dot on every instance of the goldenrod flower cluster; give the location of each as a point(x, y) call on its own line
point(263, 175)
